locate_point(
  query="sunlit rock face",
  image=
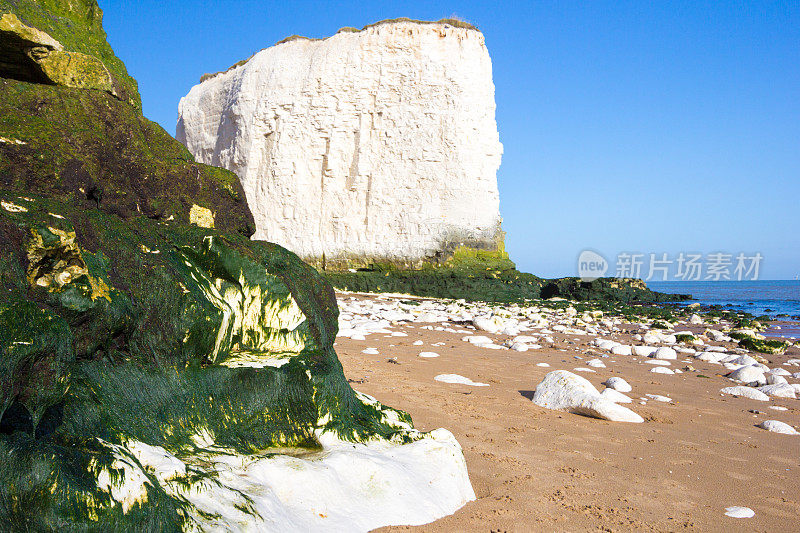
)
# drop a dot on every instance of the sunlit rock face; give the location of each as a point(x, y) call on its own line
point(379, 144)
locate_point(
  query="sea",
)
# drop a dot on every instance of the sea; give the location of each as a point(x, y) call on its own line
point(774, 298)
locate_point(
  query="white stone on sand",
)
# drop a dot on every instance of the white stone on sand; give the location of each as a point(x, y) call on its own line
point(428, 354)
point(621, 349)
point(477, 339)
point(659, 398)
point(617, 383)
point(615, 396)
point(564, 391)
point(739, 512)
point(458, 380)
point(665, 353)
point(661, 370)
point(779, 391)
point(746, 392)
point(776, 426)
point(749, 374)
point(643, 351)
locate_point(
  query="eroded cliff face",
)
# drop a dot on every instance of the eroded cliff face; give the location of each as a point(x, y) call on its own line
point(371, 145)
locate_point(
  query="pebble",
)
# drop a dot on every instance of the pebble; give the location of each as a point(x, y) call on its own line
point(615, 396)
point(370, 351)
point(777, 426)
point(749, 375)
point(659, 398)
point(621, 349)
point(459, 380)
point(779, 391)
point(428, 354)
point(746, 392)
point(644, 351)
point(418, 343)
point(618, 384)
point(665, 353)
point(739, 512)
point(661, 370)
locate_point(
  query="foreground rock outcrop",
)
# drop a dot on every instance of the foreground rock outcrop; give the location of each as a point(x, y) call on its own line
point(378, 145)
point(159, 370)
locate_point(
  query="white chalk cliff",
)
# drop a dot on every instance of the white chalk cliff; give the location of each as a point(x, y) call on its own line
point(379, 144)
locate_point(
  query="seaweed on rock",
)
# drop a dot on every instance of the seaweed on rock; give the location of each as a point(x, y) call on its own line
point(149, 350)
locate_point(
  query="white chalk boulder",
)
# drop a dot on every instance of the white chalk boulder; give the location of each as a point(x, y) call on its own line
point(564, 391)
point(618, 384)
point(777, 426)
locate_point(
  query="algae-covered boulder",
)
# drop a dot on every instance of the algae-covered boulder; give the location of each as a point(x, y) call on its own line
point(160, 371)
point(138, 354)
point(71, 124)
point(32, 55)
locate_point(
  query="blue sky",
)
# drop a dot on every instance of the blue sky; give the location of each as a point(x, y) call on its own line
point(650, 127)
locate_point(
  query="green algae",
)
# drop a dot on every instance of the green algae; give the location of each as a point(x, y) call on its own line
point(122, 320)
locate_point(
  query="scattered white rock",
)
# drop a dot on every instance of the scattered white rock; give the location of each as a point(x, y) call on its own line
point(459, 380)
point(739, 512)
point(746, 392)
point(564, 391)
point(477, 339)
point(665, 353)
point(777, 426)
point(749, 375)
point(774, 379)
point(659, 398)
point(644, 351)
point(596, 363)
point(661, 370)
point(544, 365)
point(779, 391)
point(418, 343)
point(621, 349)
point(370, 351)
point(615, 396)
point(428, 354)
point(618, 384)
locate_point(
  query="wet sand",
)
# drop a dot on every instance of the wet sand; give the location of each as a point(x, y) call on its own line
point(535, 469)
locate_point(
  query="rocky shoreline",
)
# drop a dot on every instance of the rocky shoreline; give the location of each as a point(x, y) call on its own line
point(710, 410)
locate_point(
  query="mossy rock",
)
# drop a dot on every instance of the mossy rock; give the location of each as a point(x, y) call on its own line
point(773, 346)
point(80, 144)
point(135, 310)
point(196, 331)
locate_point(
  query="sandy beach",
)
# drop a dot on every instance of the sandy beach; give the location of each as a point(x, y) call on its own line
point(535, 469)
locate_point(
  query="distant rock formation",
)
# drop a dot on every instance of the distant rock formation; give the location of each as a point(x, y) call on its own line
point(378, 145)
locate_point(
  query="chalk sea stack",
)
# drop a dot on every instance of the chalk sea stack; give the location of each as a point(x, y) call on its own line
point(373, 155)
point(160, 371)
point(373, 145)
